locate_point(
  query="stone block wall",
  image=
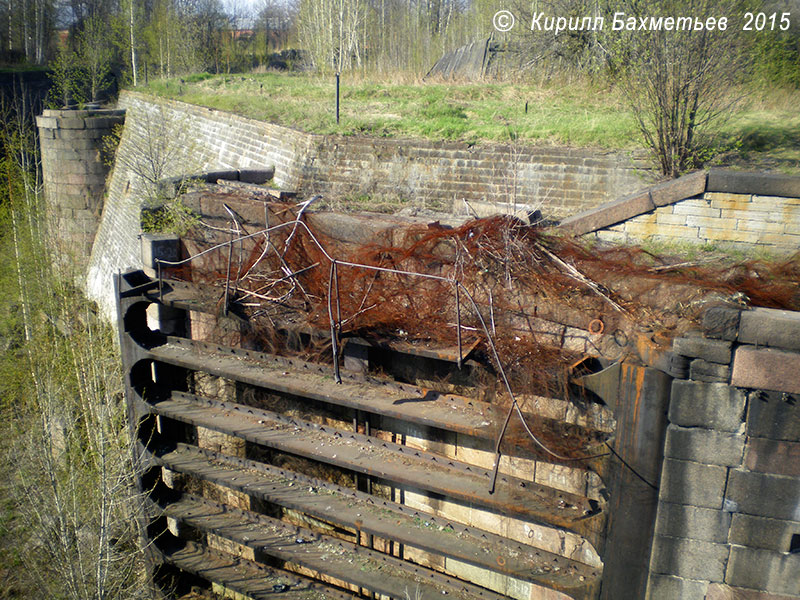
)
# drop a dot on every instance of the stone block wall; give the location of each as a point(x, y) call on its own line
point(74, 170)
point(559, 181)
point(717, 218)
point(185, 139)
point(724, 208)
point(164, 139)
point(728, 522)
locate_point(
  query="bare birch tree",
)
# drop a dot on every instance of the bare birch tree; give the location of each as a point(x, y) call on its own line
point(66, 459)
point(332, 32)
point(27, 27)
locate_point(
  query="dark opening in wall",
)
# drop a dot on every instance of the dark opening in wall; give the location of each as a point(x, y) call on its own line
point(794, 544)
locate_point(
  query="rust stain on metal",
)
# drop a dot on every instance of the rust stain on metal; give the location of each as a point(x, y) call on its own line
point(533, 309)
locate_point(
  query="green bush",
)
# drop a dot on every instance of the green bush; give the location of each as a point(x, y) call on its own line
point(173, 216)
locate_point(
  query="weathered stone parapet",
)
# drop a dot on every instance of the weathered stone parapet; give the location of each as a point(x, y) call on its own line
point(74, 172)
point(728, 524)
point(721, 207)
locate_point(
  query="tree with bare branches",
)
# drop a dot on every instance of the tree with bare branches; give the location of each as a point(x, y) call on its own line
point(66, 466)
point(679, 83)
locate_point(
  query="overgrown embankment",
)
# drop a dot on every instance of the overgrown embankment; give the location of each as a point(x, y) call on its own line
point(65, 471)
point(763, 130)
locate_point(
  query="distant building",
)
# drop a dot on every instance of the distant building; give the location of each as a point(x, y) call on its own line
point(61, 37)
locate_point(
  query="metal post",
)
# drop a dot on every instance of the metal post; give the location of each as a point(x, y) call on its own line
point(160, 281)
point(334, 325)
point(338, 299)
point(228, 277)
point(458, 326)
point(337, 98)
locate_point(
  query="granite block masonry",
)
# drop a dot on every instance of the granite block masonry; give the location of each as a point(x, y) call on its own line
point(74, 169)
point(728, 524)
point(720, 208)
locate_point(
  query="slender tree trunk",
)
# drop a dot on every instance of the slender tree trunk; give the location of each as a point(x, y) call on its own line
point(10, 22)
point(169, 53)
point(23, 300)
point(25, 33)
point(161, 54)
point(133, 45)
point(340, 41)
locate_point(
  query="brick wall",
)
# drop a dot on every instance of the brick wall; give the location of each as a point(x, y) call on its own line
point(728, 524)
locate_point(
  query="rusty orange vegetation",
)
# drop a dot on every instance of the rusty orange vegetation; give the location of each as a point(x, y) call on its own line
point(546, 299)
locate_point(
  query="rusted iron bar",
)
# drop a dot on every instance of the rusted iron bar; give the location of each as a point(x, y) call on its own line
point(458, 326)
point(383, 518)
point(489, 338)
point(140, 289)
point(373, 571)
point(497, 445)
point(378, 458)
point(247, 577)
point(235, 218)
point(448, 412)
point(334, 329)
point(228, 276)
point(338, 299)
point(160, 281)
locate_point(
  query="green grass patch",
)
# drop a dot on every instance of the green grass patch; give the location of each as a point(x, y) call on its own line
point(470, 112)
point(763, 131)
point(766, 137)
point(717, 254)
